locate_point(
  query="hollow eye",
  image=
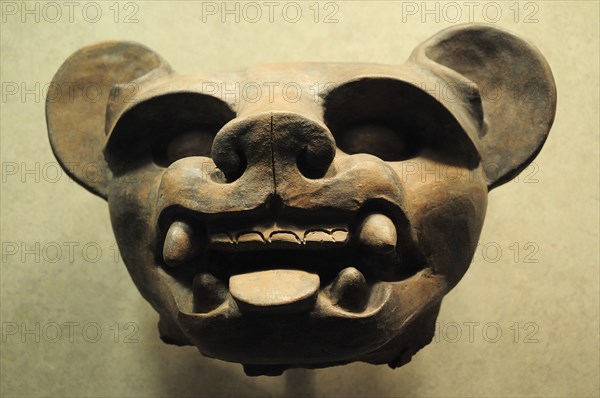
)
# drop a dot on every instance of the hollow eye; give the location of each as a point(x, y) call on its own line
point(183, 145)
point(389, 143)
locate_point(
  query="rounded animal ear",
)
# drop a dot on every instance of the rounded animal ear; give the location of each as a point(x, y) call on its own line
point(77, 102)
point(515, 85)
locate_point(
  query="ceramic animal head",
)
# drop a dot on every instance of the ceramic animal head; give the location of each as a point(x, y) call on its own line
point(302, 215)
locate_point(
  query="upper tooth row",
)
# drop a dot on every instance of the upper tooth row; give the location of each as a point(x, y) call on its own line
point(377, 233)
point(318, 235)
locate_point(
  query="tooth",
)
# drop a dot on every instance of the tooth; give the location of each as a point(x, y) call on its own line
point(209, 293)
point(349, 290)
point(284, 236)
point(339, 235)
point(180, 245)
point(378, 234)
point(251, 236)
point(221, 238)
point(318, 236)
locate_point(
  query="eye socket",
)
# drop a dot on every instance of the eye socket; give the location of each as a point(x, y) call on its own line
point(164, 129)
point(387, 142)
point(197, 142)
point(395, 120)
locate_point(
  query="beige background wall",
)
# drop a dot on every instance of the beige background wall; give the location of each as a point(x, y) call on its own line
point(548, 289)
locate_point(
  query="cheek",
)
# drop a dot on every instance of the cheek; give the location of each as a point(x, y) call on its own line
point(132, 200)
point(447, 230)
point(446, 209)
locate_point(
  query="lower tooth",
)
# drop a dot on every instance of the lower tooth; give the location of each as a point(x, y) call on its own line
point(349, 290)
point(209, 293)
point(377, 234)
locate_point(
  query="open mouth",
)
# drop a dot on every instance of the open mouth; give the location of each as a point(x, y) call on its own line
point(272, 267)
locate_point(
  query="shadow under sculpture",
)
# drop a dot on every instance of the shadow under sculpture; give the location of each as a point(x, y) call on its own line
point(306, 214)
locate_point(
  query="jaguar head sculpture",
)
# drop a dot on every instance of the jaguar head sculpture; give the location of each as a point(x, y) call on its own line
point(302, 215)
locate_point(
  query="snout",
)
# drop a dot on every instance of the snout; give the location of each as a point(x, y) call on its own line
point(279, 229)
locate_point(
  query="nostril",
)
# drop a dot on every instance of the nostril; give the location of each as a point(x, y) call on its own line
point(231, 162)
point(314, 161)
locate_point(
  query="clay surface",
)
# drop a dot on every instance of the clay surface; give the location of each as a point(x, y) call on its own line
point(303, 231)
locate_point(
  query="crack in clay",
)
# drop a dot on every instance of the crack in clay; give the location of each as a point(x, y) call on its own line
point(272, 157)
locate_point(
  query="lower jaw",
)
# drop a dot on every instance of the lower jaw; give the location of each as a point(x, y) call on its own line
point(325, 335)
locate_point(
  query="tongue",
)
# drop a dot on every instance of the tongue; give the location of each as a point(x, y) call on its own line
point(278, 290)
